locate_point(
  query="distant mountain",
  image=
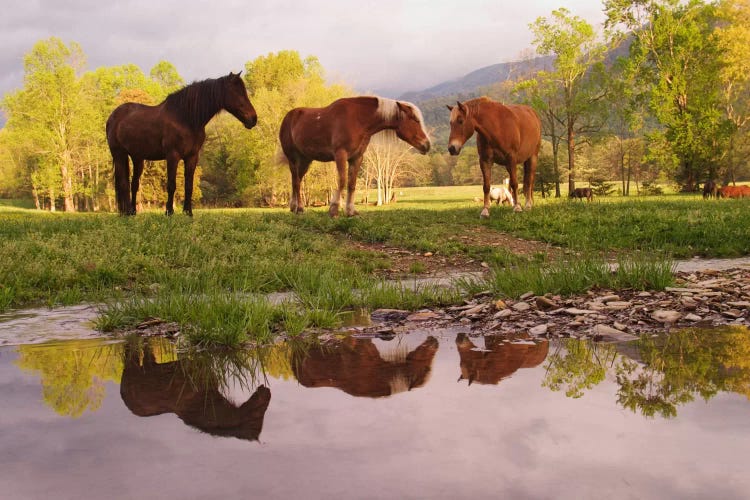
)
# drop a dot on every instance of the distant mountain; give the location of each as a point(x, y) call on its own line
point(483, 77)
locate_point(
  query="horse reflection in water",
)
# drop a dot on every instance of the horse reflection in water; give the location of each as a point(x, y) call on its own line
point(356, 367)
point(500, 359)
point(190, 389)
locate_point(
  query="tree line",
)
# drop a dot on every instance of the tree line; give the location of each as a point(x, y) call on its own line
point(662, 96)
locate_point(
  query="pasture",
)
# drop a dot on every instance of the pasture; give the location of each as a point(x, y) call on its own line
point(213, 270)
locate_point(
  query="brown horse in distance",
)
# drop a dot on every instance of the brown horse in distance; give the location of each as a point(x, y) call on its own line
point(341, 132)
point(710, 190)
point(356, 367)
point(506, 135)
point(173, 130)
point(582, 193)
point(734, 192)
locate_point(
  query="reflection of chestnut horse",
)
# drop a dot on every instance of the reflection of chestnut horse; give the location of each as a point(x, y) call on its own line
point(356, 367)
point(341, 132)
point(501, 359)
point(734, 192)
point(506, 135)
point(150, 388)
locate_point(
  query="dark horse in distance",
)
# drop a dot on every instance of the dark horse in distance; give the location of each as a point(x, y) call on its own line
point(506, 135)
point(341, 132)
point(173, 130)
point(582, 193)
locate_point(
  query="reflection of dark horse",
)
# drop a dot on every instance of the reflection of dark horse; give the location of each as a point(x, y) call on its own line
point(582, 193)
point(356, 367)
point(173, 130)
point(341, 132)
point(710, 190)
point(501, 359)
point(149, 388)
point(506, 135)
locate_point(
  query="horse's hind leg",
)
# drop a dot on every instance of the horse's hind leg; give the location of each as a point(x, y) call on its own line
point(298, 167)
point(135, 183)
point(122, 181)
point(529, 172)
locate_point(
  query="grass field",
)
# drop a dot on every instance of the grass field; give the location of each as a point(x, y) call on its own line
point(211, 272)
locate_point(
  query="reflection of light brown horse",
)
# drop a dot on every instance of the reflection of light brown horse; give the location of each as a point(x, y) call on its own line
point(341, 132)
point(173, 130)
point(150, 388)
point(501, 360)
point(356, 367)
point(506, 135)
point(734, 192)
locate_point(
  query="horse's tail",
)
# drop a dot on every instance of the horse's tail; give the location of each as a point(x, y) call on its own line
point(280, 158)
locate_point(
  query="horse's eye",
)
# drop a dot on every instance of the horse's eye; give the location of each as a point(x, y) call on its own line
point(460, 121)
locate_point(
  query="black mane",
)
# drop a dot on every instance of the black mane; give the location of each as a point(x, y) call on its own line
point(198, 102)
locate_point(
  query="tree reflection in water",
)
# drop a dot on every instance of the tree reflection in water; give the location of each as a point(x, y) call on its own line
point(677, 367)
point(73, 378)
point(655, 375)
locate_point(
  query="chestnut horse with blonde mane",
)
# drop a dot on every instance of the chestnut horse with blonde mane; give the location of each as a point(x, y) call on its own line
point(173, 130)
point(341, 132)
point(506, 135)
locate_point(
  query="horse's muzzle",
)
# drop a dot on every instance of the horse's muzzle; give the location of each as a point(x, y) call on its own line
point(453, 150)
point(250, 123)
point(424, 147)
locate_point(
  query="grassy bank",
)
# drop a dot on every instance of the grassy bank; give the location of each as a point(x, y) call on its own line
point(210, 272)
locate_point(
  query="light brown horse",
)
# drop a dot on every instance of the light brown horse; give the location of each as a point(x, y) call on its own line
point(506, 135)
point(173, 130)
point(341, 132)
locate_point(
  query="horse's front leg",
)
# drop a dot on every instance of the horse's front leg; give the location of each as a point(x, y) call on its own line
point(298, 168)
point(135, 183)
point(486, 166)
point(341, 158)
point(513, 184)
point(190, 163)
point(354, 165)
point(172, 161)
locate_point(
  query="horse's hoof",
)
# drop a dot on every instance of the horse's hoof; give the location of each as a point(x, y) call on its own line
point(333, 211)
point(169, 213)
point(485, 214)
point(353, 213)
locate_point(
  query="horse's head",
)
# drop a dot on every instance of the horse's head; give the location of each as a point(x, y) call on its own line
point(411, 127)
point(462, 128)
point(237, 102)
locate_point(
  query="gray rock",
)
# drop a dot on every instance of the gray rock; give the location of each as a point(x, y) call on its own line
point(692, 317)
point(538, 330)
point(666, 316)
point(605, 333)
point(575, 311)
point(521, 306)
point(545, 304)
point(503, 313)
point(526, 295)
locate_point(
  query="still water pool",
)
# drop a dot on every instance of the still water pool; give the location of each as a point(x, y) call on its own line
point(428, 414)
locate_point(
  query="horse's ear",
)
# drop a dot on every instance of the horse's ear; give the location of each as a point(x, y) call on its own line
point(240, 73)
point(450, 108)
point(461, 107)
point(403, 107)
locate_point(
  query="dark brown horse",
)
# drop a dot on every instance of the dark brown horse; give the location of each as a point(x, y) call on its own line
point(582, 193)
point(341, 132)
point(506, 135)
point(710, 190)
point(173, 130)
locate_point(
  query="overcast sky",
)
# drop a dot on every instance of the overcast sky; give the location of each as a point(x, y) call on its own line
point(384, 46)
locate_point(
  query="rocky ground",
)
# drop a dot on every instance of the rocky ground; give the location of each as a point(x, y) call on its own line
point(702, 299)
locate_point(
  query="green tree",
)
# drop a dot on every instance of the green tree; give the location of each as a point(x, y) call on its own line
point(47, 111)
point(676, 62)
point(577, 75)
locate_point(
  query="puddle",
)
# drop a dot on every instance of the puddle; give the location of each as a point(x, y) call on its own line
point(33, 326)
point(425, 414)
